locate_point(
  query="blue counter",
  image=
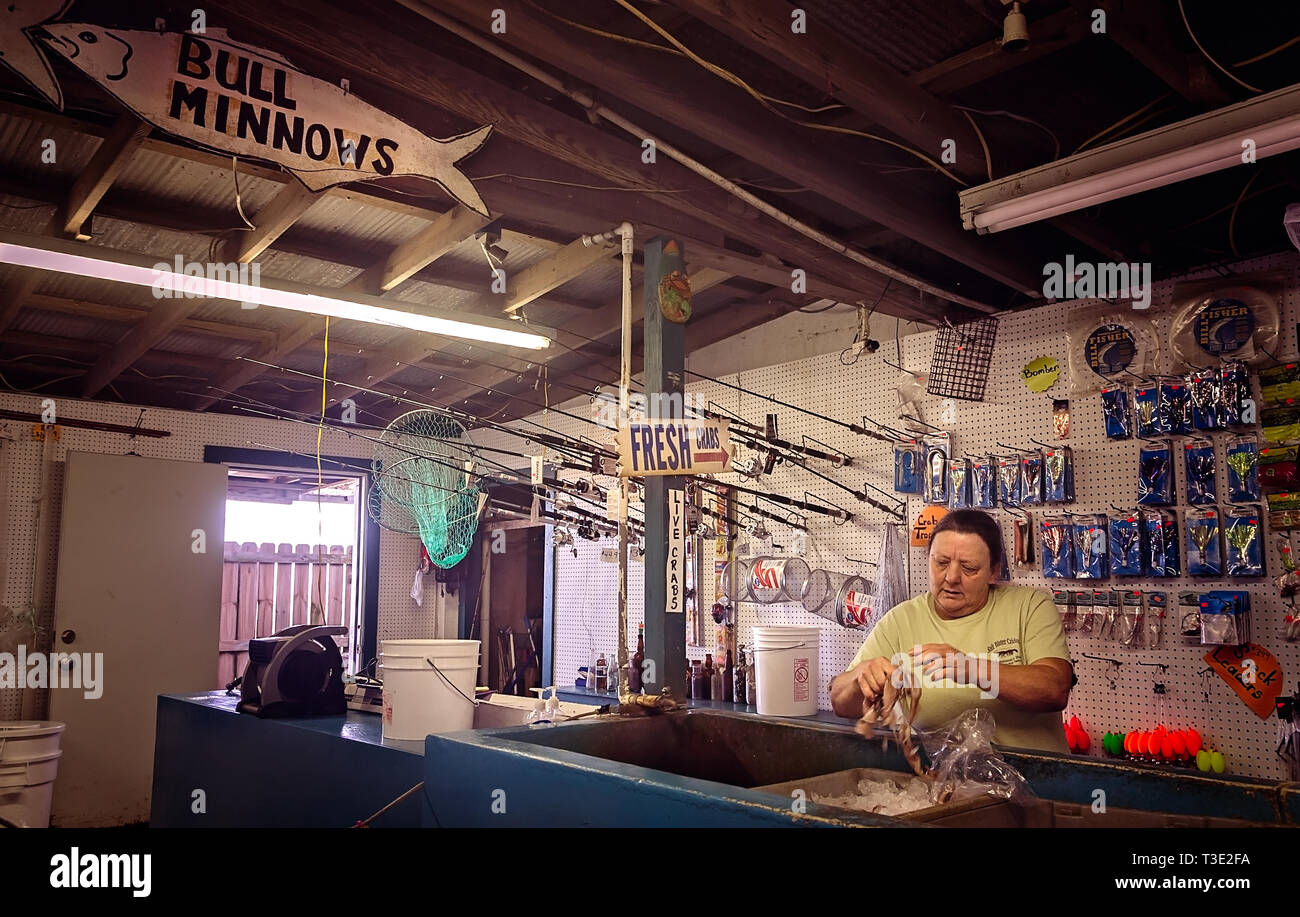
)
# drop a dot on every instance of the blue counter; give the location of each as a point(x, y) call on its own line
point(319, 772)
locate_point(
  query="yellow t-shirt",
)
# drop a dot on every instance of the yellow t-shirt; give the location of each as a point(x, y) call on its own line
point(1018, 625)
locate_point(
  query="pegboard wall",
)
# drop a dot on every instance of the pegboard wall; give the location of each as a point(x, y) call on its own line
point(1105, 474)
point(399, 616)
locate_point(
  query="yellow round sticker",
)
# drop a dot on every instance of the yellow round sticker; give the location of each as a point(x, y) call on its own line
point(1041, 374)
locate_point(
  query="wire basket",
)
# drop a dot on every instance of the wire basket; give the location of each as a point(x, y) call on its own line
point(962, 354)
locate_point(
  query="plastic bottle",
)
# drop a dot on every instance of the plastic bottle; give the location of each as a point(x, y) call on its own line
point(638, 659)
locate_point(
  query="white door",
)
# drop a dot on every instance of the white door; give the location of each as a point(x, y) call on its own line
point(132, 586)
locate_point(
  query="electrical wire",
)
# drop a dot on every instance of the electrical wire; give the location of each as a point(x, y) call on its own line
point(573, 184)
point(762, 99)
point(1056, 141)
point(1121, 122)
point(1232, 220)
point(239, 204)
point(1222, 69)
point(988, 157)
point(1259, 57)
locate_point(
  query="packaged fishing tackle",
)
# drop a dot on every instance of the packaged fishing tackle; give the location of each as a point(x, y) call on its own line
point(1115, 411)
point(1243, 469)
point(1198, 465)
point(1155, 474)
point(1125, 541)
point(1204, 548)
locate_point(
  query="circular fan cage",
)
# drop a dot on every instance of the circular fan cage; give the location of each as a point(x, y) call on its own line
point(421, 486)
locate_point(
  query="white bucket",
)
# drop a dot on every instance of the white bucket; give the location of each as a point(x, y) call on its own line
point(22, 740)
point(785, 670)
point(428, 686)
point(27, 787)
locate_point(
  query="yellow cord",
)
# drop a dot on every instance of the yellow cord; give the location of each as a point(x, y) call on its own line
point(1122, 121)
point(1269, 53)
point(1222, 69)
point(764, 100)
point(320, 428)
point(988, 158)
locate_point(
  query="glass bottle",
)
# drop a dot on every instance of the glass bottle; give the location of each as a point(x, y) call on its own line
point(742, 679)
point(638, 659)
point(751, 685)
point(689, 693)
point(602, 674)
point(728, 678)
point(699, 682)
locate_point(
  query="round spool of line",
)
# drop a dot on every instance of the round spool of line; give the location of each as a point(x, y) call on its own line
point(1231, 322)
point(1103, 345)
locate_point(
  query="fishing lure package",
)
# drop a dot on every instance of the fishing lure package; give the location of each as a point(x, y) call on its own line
point(1147, 419)
point(1243, 469)
point(1281, 424)
point(1056, 534)
point(1128, 625)
point(1160, 535)
point(1090, 554)
point(1083, 611)
point(1243, 539)
point(1125, 541)
point(1064, 601)
point(1009, 480)
point(1225, 617)
point(936, 472)
point(1156, 474)
point(1279, 384)
point(959, 483)
point(1023, 540)
point(983, 482)
point(1234, 389)
point(908, 459)
point(1279, 467)
point(1153, 620)
point(1198, 464)
point(1115, 411)
point(1206, 390)
point(1174, 407)
point(1204, 543)
point(1031, 478)
point(1058, 475)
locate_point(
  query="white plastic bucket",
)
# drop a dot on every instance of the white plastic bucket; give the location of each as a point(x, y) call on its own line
point(22, 740)
point(26, 789)
point(428, 686)
point(777, 579)
point(785, 669)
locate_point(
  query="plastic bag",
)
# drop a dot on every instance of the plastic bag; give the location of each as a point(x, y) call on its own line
point(1104, 343)
point(1115, 411)
point(1198, 466)
point(1219, 319)
point(1155, 474)
point(964, 765)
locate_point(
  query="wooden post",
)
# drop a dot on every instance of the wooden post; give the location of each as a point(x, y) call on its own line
point(664, 346)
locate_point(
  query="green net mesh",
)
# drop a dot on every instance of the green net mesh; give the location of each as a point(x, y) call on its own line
point(421, 486)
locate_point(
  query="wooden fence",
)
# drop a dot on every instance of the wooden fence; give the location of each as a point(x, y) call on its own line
point(265, 589)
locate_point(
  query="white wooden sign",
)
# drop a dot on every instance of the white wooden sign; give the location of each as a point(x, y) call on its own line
point(249, 102)
point(663, 447)
point(676, 567)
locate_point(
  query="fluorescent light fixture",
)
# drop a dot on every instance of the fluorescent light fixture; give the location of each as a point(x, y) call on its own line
point(1237, 135)
point(99, 263)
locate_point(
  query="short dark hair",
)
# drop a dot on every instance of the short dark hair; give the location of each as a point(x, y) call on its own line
point(973, 522)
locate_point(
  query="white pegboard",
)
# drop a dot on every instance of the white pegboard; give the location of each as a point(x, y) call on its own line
point(1105, 474)
point(399, 616)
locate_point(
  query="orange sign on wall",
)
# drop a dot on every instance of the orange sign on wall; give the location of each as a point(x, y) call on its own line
point(1252, 671)
point(925, 523)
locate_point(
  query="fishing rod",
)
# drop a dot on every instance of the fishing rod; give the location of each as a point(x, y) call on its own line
point(555, 441)
point(283, 414)
point(856, 428)
point(837, 512)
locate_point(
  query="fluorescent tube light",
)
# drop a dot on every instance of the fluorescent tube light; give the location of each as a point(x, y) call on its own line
point(1237, 135)
point(67, 258)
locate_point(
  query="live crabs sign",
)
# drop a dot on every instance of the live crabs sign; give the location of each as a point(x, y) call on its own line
point(664, 447)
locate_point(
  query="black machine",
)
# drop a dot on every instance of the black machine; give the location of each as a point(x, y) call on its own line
point(297, 672)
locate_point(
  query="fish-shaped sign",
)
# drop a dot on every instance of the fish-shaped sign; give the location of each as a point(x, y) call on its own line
point(253, 103)
point(19, 50)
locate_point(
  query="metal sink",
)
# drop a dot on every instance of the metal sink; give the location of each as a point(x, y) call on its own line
point(736, 749)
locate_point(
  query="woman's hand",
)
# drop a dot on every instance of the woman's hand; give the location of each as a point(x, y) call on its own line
point(864, 682)
point(940, 660)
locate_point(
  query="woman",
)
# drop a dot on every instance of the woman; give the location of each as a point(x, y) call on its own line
point(974, 643)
